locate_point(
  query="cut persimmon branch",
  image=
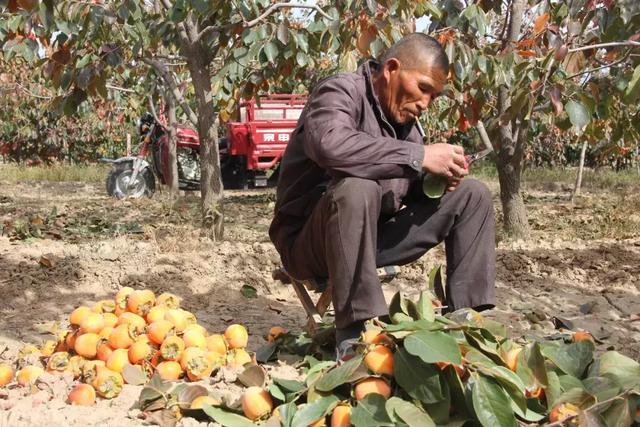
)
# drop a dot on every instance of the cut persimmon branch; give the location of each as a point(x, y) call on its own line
point(601, 45)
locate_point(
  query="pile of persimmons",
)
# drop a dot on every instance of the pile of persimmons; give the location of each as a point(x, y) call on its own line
point(135, 330)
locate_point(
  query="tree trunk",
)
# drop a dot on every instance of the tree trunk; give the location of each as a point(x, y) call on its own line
point(512, 140)
point(210, 179)
point(576, 188)
point(172, 180)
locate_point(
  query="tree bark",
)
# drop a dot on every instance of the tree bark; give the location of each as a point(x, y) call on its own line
point(576, 188)
point(210, 179)
point(172, 180)
point(512, 139)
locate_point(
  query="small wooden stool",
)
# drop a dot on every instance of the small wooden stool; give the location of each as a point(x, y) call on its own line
point(316, 310)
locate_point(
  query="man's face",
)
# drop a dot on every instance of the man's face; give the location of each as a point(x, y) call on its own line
point(406, 93)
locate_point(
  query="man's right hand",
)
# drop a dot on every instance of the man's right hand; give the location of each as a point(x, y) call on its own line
point(445, 160)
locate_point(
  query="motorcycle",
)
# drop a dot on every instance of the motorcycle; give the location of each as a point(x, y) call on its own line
point(135, 177)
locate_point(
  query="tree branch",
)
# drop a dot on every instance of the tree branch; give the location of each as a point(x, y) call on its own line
point(120, 89)
point(270, 10)
point(161, 69)
point(601, 45)
point(624, 58)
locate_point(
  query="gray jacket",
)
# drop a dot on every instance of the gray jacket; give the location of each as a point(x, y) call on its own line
point(343, 132)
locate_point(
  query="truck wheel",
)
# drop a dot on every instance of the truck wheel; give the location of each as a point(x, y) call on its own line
point(118, 183)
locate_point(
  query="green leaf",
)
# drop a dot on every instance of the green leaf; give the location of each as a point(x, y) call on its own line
point(283, 33)
point(603, 388)
point(572, 359)
point(249, 291)
point(491, 404)
point(578, 396)
point(226, 418)
point(578, 114)
point(310, 413)
point(338, 375)
point(433, 347)
point(633, 89)
point(418, 379)
point(301, 59)
point(271, 50)
point(370, 412)
point(408, 412)
point(624, 369)
point(619, 413)
point(425, 307)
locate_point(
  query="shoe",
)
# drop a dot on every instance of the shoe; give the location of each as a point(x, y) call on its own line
point(345, 350)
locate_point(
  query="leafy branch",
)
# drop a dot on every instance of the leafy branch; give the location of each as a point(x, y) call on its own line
point(269, 11)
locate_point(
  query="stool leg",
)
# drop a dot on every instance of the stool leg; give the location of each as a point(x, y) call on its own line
point(325, 300)
point(314, 318)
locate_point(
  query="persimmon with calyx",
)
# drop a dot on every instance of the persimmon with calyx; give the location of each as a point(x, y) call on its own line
point(105, 332)
point(169, 300)
point(121, 337)
point(128, 318)
point(86, 345)
point(121, 300)
point(341, 416)
point(238, 357)
point(178, 318)
point(379, 360)
point(28, 375)
point(75, 365)
point(78, 315)
point(6, 374)
point(158, 331)
point(256, 403)
point(372, 385)
point(139, 351)
point(172, 348)
point(82, 394)
point(236, 336)
point(104, 306)
point(108, 383)
point(92, 323)
point(141, 301)
point(58, 362)
point(169, 370)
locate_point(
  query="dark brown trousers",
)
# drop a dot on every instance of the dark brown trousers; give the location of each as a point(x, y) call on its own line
point(346, 238)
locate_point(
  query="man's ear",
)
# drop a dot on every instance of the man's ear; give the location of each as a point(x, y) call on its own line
point(392, 65)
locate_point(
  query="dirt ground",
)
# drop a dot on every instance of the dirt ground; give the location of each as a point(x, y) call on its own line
point(580, 269)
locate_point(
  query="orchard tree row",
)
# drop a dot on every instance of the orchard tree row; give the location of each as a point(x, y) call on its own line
point(569, 71)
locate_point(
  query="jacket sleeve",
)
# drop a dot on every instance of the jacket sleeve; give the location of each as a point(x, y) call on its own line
point(333, 141)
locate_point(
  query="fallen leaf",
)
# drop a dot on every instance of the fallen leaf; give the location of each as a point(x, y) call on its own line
point(47, 261)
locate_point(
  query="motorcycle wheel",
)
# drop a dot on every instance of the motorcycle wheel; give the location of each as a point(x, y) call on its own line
point(118, 183)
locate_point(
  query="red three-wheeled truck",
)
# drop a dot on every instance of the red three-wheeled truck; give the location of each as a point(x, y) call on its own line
point(249, 152)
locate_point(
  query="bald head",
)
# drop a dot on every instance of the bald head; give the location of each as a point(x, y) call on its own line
point(417, 50)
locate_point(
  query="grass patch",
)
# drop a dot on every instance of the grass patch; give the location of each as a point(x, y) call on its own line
point(55, 173)
point(601, 179)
